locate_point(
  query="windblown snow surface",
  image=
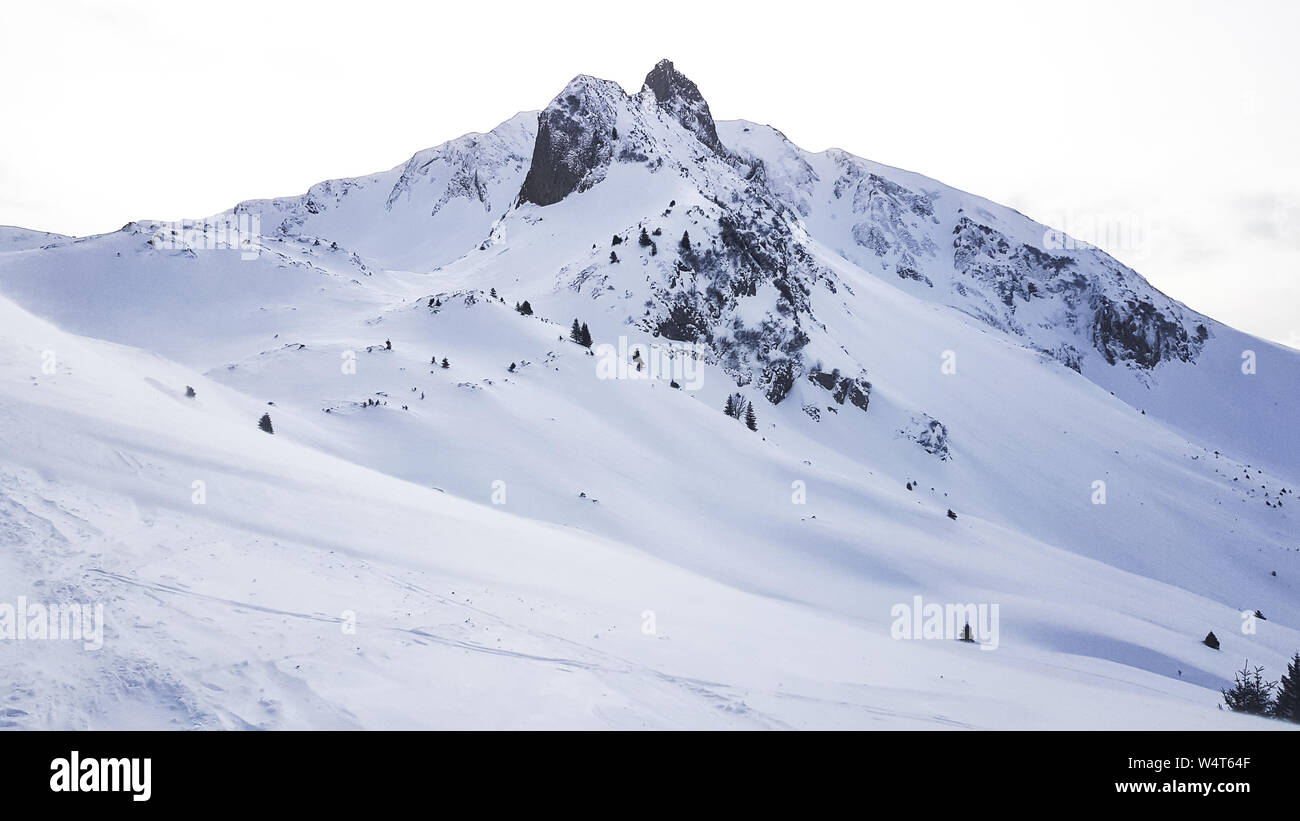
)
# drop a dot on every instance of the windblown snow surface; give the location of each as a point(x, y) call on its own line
point(539, 547)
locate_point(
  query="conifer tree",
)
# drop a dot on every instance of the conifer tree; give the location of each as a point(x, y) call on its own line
point(1250, 693)
point(751, 421)
point(265, 423)
point(1287, 706)
point(584, 336)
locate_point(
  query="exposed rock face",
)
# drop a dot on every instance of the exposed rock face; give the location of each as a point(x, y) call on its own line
point(575, 141)
point(1135, 331)
point(1071, 302)
point(681, 99)
point(741, 283)
point(856, 391)
point(1109, 309)
point(744, 252)
point(930, 434)
point(578, 135)
point(1010, 269)
point(895, 222)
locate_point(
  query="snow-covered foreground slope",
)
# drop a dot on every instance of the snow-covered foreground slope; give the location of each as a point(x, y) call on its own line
point(524, 542)
point(231, 613)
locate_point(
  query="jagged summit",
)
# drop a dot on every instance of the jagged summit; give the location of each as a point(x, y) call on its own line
point(575, 139)
point(681, 98)
point(593, 121)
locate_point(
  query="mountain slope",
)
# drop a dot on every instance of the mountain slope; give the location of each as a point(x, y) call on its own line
point(909, 350)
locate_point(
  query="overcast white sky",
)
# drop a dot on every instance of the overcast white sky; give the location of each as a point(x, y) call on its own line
point(1171, 127)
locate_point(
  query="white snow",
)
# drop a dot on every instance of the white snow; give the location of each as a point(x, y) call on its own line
point(533, 608)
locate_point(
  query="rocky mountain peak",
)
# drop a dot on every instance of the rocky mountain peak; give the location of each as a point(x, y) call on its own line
point(681, 99)
point(575, 141)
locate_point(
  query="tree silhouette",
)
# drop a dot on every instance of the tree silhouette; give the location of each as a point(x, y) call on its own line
point(1250, 693)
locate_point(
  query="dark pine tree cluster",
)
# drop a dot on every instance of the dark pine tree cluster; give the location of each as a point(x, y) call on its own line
point(579, 333)
point(1252, 694)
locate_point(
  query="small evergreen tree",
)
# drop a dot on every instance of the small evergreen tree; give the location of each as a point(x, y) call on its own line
point(736, 404)
point(1287, 706)
point(951, 515)
point(685, 244)
point(967, 634)
point(617, 240)
point(575, 332)
point(189, 391)
point(525, 308)
point(265, 423)
point(445, 363)
point(644, 239)
point(751, 421)
point(1211, 641)
point(388, 344)
point(1250, 693)
point(493, 293)
point(613, 257)
point(584, 336)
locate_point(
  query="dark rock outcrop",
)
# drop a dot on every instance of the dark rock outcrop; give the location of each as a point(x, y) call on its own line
point(856, 391)
point(575, 142)
point(1135, 331)
point(681, 99)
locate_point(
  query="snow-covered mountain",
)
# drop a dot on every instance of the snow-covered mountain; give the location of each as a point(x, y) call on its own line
point(951, 402)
